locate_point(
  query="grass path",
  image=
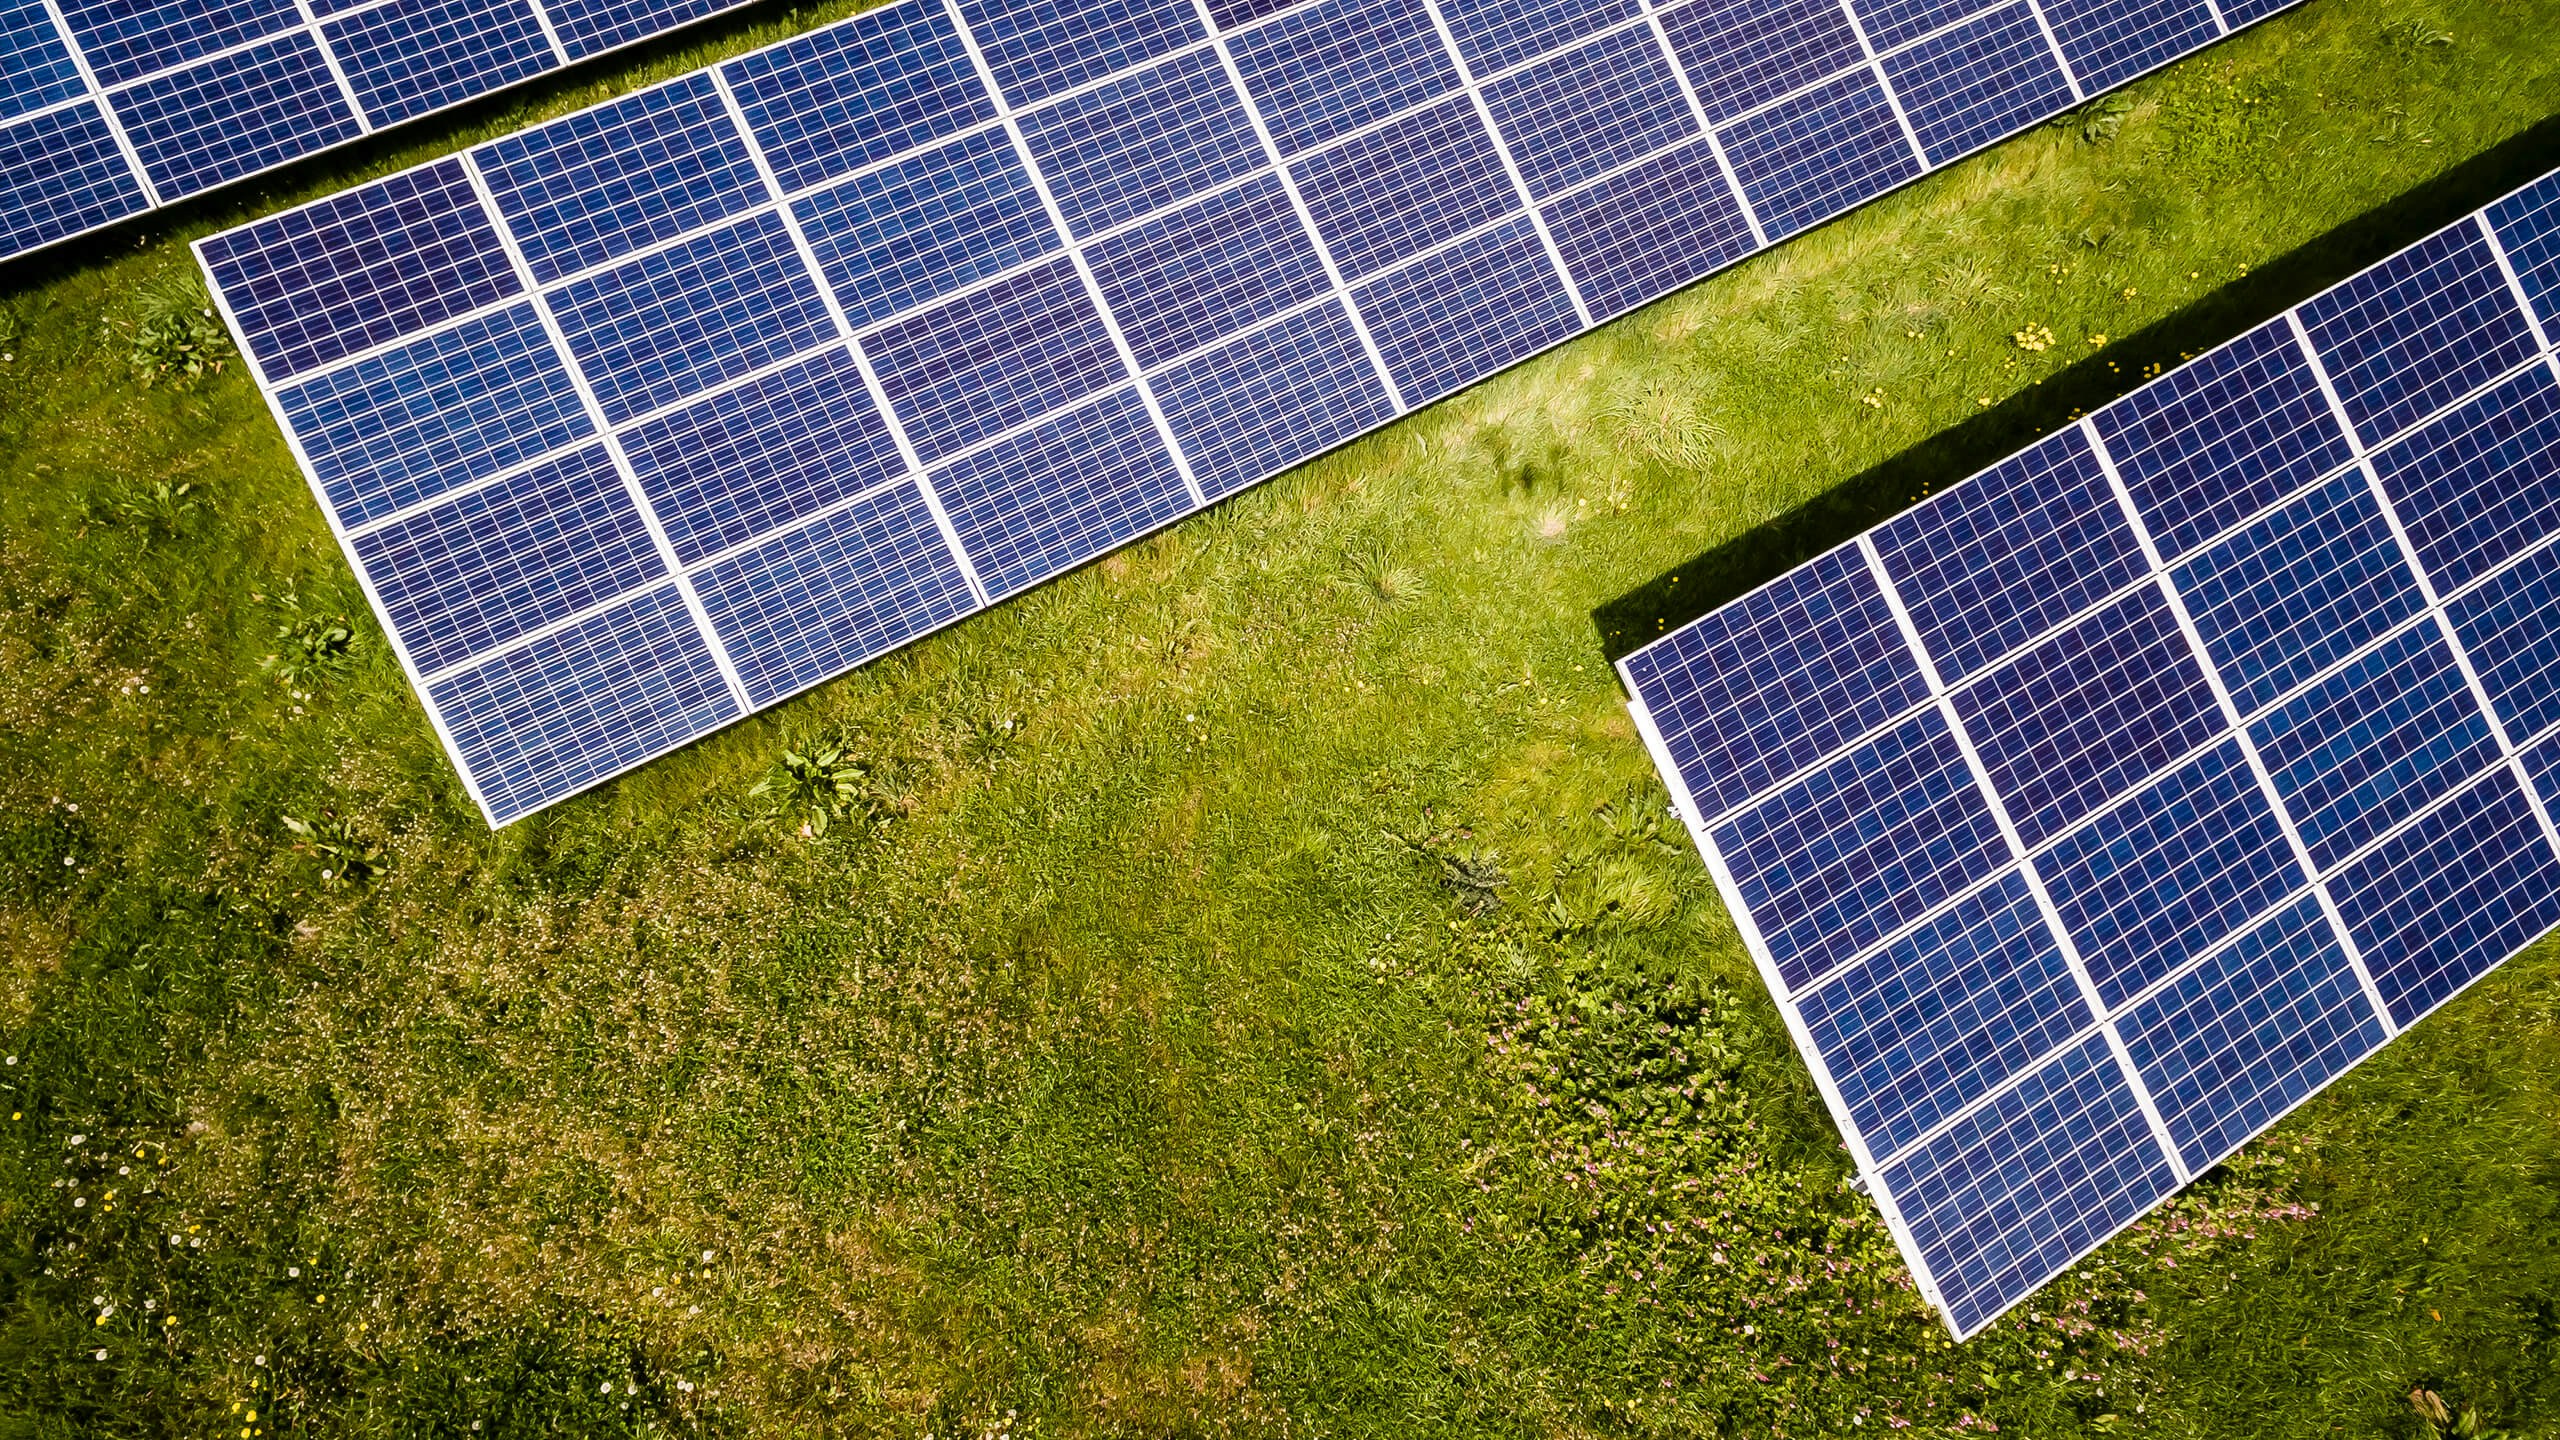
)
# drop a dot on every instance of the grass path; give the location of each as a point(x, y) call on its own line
point(1257, 991)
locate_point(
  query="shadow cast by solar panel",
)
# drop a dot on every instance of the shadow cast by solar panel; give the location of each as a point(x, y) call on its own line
point(1735, 567)
point(445, 131)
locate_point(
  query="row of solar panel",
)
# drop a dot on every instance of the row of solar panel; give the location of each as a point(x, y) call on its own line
point(108, 108)
point(1274, 309)
point(2091, 815)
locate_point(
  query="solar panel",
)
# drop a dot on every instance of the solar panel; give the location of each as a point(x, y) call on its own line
point(1059, 274)
point(2088, 817)
point(109, 108)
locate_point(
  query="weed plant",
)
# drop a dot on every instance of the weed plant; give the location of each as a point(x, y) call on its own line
point(1278, 1002)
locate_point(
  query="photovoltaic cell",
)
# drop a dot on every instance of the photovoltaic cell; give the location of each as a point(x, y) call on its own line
point(2423, 327)
point(597, 185)
point(1495, 35)
point(2219, 439)
point(2109, 42)
point(2226, 674)
point(406, 425)
point(1808, 158)
point(409, 57)
point(2298, 590)
point(1988, 566)
point(2153, 883)
point(2528, 229)
point(235, 114)
point(1030, 259)
point(832, 594)
point(2238, 1040)
point(205, 93)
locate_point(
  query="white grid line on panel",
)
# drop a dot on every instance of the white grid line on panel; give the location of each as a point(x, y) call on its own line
point(2221, 26)
point(2020, 857)
point(364, 578)
point(551, 32)
point(1510, 166)
point(1075, 254)
point(337, 72)
point(2265, 779)
point(1875, 67)
point(2053, 43)
point(2426, 583)
point(1339, 283)
point(2542, 338)
point(613, 447)
point(1870, 1174)
point(1706, 126)
point(844, 331)
point(106, 110)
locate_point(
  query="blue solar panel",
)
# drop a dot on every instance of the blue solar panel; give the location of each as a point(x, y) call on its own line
point(1810, 157)
point(2157, 881)
point(2481, 483)
point(578, 704)
point(1061, 493)
point(603, 183)
point(1259, 404)
point(1857, 849)
point(2237, 13)
point(2374, 743)
point(2298, 590)
point(2417, 330)
point(678, 321)
point(412, 56)
point(2019, 1188)
point(1742, 54)
point(1977, 82)
point(2222, 438)
point(2110, 41)
point(197, 93)
point(914, 231)
point(2510, 627)
point(128, 39)
point(235, 114)
point(1069, 268)
point(1200, 274)
point(507, 558)
point(835, 100)
point(1398, 191)
point(1987, 566)
point(1590, 111)
point(2235, 1042)
point(748, 461)
point(1943, 1015)
point(828, 596)
point(1457, 315)
point(1137, 145)
point(411, 423)
point(1891, 24)
point(2438, 904)
point(65, 174)
point(994, 358)
point(1649, 229)
point(1036, 48)
point(1495, 35)
point(398, 257)
point(2088, 714)
point(2528, 229)
point(2250, 875)
point(36, 68)
point(1326, 71)
point(1760, 689)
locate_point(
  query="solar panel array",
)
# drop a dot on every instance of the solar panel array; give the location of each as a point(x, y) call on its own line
point(2091, 815)
point(111, 107)
point(649, 417)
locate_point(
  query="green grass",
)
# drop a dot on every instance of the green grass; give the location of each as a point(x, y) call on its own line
point(1247, 987)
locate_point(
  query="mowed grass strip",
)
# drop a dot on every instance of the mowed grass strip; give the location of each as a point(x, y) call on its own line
point(1248, 987)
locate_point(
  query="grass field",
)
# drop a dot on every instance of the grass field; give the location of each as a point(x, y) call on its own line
point(1252, 986)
